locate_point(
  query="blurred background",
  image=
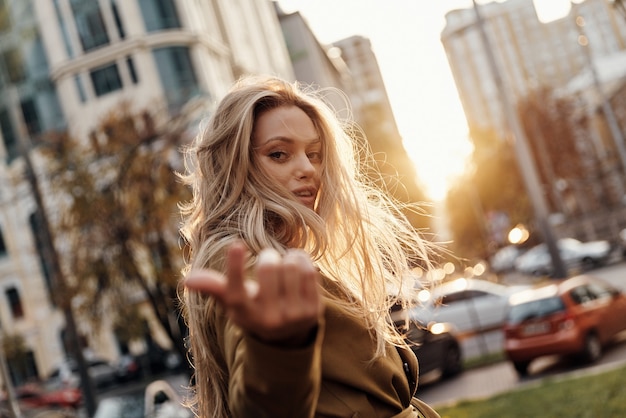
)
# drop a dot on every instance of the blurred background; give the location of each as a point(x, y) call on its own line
point(504, 119)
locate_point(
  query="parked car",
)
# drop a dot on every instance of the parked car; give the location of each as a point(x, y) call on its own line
point(154, 361)
point(574, 253)
point(435, 345)
point(101, 372)
point(471, 305)
point(158, 400)
point(575, 316)
point(504, 259)
point(622, 241)
point(128, 368)
point(436, 348)
point(36, 396)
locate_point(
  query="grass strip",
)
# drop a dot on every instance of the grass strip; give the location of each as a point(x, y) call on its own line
point(591, 396)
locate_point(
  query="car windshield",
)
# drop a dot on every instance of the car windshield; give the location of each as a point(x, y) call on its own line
point(535, 309)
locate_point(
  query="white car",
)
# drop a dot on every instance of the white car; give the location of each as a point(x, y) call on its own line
point(471, 305)
point(574, 254)
point(504, 259)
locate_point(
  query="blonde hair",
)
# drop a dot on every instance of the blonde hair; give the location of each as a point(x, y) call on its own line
point(357, 236)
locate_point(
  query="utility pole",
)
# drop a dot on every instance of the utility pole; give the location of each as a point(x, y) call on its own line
point(524, 157)
point(51, 256)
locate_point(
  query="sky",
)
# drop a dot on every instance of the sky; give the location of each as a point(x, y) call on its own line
point(405, 37)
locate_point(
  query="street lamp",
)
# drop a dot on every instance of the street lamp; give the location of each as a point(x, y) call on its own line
point(518, 235)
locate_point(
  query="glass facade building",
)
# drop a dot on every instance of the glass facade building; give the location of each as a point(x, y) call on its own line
point(25, 82)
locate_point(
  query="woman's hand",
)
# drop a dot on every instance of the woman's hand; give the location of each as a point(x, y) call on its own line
point(282, 307)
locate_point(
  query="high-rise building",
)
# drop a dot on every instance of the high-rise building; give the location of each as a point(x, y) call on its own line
point(63, 65)
point(528, 52)
point(532, 57)
point(313, 63)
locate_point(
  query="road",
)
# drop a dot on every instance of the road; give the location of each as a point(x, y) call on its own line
point(501, 377)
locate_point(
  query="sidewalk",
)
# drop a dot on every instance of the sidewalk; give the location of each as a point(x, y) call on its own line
point(498, 378)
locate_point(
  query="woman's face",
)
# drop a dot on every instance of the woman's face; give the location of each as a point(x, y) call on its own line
point(289, 150)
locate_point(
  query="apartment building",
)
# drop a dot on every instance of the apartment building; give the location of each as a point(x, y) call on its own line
point(558, 55)
point(313, 63)
point(63, 65)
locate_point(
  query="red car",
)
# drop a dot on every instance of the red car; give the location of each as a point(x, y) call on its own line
point(575, 316)
point(35, 396)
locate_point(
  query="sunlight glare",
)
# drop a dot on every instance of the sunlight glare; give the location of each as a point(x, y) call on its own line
point(423, 295)
point(437, 328)
point(549, 10)
point(460, 284)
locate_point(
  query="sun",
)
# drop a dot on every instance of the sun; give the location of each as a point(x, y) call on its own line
point(440, 155)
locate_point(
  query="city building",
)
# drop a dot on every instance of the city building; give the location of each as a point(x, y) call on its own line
point(374, 113)
point(313, 63)
point(529, 53)
point(531, 56)
point(66, 63)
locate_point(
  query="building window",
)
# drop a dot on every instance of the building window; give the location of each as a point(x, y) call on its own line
point(63, 26)
point(3, 247)
point(159, 14)
point(14, 65)
point(23, 368)
point(79, 87)
point(8, 135)
point(106, 79)
point(177, 75)
point(15, 303)
point(31, 117)
point(5, 18)
point(89, 23)
point(131, 70)
point(118, 20)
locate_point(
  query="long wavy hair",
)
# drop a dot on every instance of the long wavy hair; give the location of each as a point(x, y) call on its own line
point(357, 236)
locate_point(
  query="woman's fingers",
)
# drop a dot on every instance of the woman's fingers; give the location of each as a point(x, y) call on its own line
point(206, 281)
point(268, 273)
point(298, 270)
point(236, 295)
point(229, 288)
point(282, 304)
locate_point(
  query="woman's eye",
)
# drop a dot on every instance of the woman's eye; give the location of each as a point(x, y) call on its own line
point(278, 155)
point(315, 156)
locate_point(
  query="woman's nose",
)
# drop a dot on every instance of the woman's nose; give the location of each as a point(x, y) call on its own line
point(304, 167)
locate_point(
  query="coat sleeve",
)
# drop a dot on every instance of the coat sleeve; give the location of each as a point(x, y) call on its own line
point(271, 381)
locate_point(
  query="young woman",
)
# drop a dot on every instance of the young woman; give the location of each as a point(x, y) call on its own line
point(295, 262)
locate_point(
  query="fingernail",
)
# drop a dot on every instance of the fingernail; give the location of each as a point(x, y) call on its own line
point(269, 255)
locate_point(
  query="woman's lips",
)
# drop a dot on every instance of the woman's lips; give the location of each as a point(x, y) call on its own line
point(306, 196)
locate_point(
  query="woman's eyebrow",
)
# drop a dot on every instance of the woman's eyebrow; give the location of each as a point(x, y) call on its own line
point(287, 140)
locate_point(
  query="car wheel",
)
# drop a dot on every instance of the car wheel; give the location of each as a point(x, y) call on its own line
point(453, 362)
point(521, 367)
point(589, 263)
point(592, 349)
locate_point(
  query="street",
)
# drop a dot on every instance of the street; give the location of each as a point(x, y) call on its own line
point(501, 377)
